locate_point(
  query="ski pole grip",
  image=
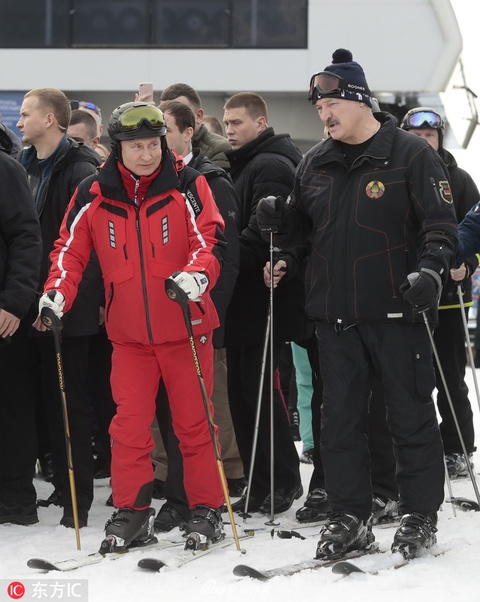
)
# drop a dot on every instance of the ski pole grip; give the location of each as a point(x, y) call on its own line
point(50, 319)
point(174, 292)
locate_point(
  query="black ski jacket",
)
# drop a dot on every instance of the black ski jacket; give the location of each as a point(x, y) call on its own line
point(265, 166)
point(465, 196)
point(369, 226)
point(74, 162)
point(20, 240)
point(227, 202)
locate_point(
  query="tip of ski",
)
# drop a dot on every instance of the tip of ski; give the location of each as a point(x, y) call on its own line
point(151, 564)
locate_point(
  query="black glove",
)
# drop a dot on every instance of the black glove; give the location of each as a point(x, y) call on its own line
point(421, 289)
point(269, 214)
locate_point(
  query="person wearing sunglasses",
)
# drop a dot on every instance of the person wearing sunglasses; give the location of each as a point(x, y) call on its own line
point(449, 334)
point(83, 128)
point(92, 109)
point(374, 204)
point(145, 229)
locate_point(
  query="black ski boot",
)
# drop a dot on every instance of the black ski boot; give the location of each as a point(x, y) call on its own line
point(344, 533)
point(315, 508)
point(384, 510)
point(128, 528)
point(168, 518)
point(416, 531)
point(204, 526)
point(457, 465)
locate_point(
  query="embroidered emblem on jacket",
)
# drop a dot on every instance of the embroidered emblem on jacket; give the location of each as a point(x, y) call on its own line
point(375, 189)
point(445, 191)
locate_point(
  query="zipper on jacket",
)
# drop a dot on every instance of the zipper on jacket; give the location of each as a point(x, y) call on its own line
point(135, 194)
point(142, 270)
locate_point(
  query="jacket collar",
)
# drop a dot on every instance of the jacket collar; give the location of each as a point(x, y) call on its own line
point(378, 152)
point(117, 183)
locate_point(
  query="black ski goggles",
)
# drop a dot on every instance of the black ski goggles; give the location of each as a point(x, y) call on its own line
point(134, 118)
point(325, 84)
point(419, 119)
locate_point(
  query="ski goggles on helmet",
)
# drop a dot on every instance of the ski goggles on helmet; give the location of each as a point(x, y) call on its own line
point(424, 118)
point(133, 119)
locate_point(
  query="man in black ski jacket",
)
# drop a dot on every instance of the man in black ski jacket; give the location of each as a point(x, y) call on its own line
point(262, 163)
point(449, 334)
point(375, 204)
point(55, 166)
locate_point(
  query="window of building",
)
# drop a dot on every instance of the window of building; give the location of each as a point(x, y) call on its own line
point(153, 23)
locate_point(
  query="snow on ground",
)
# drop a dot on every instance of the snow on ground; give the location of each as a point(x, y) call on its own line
point(451, 576)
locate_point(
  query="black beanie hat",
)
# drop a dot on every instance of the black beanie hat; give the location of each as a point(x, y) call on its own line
point(352, 74)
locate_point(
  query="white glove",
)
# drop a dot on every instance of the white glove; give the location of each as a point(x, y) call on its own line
point(54, 300)
point(193, 284)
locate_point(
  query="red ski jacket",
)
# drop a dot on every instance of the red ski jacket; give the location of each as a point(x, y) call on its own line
point(139, 246)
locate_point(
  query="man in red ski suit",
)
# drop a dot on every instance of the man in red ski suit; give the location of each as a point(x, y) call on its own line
point(144, 230)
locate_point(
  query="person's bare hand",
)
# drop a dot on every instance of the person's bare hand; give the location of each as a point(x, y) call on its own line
point(279, 271)
point(8, 323)
point(458, 274)
point(144, 98)
point(39, 325)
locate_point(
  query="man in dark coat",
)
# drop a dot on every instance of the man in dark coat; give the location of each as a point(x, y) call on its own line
point(55, 166)
point(449, 334)
point(262, 163)
point(20, 252)
point(376, 206)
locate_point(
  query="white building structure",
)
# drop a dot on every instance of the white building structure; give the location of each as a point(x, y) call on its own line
point(410, 52)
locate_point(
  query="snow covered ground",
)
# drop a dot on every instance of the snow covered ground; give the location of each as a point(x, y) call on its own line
point(452, 576)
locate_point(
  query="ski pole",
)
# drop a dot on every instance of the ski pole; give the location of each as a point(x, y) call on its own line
point(270, 227)
point(257, 417)
point(175, 293)
point(449, 485)
point(468, 343)
point(452, 409)
point(271, 522)
point(53, 323)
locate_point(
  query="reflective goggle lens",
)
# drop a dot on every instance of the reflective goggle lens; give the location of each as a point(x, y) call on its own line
point(424, 118)
point(322, 84)
point(133, 118)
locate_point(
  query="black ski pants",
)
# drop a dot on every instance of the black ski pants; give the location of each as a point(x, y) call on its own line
point(29, 382)
point(400, 356)
point(449, 340)
point(243, 374)
point(380, 445)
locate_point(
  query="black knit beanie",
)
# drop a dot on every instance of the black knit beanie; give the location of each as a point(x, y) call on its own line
point(352, 74)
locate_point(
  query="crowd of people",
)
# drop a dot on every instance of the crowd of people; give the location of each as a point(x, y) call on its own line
point(364, 266)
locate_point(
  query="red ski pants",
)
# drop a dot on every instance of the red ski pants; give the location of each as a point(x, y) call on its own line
point(136, 373)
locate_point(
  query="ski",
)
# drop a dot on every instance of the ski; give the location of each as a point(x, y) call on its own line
point(242, 570)
point(464, 504)
point(345, 567)
point(72, 564)
point(185, 556)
